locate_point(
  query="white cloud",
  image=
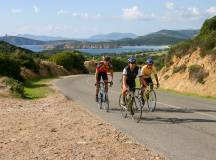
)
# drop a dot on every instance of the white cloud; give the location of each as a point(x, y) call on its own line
point(78, 14)
point(169, 5)
point(211, 11)
point(16, 11)
point(36, 9)
point(192, 13)
point(132, 13)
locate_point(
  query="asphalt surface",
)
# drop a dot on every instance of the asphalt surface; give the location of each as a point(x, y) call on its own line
point(181, 128)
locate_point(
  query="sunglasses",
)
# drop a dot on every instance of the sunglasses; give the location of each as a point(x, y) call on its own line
point(133, 63)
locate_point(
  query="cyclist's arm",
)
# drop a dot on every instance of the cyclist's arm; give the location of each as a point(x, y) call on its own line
point(96, 75)
point(111, 70)
point(124, 79)
point(156, 77)
point(140, 77)
point(111, 74)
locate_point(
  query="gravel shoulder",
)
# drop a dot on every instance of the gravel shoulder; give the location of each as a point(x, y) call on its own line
point(57, 128)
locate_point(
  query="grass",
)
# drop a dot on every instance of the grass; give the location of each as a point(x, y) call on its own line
point(37, 88)
point(187, 94)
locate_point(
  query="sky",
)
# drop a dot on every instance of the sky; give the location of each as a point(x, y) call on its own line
point(84, 18)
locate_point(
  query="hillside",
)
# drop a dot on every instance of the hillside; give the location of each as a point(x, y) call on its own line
point(7, 48)
point(162, 37)
point(191, 65)
point(111, 36)
point(42, 38)
point(20, 40)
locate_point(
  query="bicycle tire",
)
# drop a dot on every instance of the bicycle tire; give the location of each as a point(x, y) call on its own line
point(123, 108)
point(106, 103)
point(100, 101)
point(151, 108)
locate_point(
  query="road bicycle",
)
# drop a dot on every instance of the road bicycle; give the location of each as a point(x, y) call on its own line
point(149, 96)
point(103, 100)
point(132, 105)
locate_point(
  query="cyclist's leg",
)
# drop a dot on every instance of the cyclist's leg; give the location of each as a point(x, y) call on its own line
point(105, 79)
point(97, 85)
point(132, 86)
point(150, 82)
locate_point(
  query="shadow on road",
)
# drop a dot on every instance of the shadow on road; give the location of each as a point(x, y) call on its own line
point(183, 110)
point(175, 120)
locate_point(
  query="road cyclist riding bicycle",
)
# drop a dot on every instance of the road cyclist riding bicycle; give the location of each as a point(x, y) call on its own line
point(130, 73)
point(102, 69)
point(148, 92)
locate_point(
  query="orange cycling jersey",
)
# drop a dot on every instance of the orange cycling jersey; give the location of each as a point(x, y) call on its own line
point(101, 67)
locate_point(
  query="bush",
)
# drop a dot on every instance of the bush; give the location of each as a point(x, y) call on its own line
point(180, 68)
point(166, 77)
point(118, 64)
point(16, 87)
point(25, 60)
point(197, 73)
point(9, 67)
point(70, 61)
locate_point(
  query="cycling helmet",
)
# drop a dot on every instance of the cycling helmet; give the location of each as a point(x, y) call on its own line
point(149, 61)
point(131, 60)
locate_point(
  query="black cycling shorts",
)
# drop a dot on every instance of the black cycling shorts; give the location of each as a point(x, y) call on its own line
point(131, 85)
point(149, 81)
point(102, 75)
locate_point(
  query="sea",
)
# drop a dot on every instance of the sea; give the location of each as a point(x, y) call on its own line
point(98, 51)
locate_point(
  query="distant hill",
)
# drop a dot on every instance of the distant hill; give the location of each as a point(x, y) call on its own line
point(42, 38)
point(162, 37)
point(7, 48)
point(111, 36)
point(20, 40)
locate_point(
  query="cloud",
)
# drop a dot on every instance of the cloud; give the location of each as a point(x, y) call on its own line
point(191, 13)
point(211, 11)
point(169, 5)
point(16, 11)
point(78, 14)
point(134, 14)
point(36, 9)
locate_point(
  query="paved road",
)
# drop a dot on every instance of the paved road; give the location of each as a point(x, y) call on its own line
point(182, 128)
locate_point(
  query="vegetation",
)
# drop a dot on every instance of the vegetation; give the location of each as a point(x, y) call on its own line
point(16, 87)
point(9, 67)
point(196, 72)
point(37, 88)
point(71, 60)
point(205, 40)
point(119, 61)
point(180, 68)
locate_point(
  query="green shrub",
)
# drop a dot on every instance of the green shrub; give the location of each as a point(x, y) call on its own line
point(197, 73)
point(9, 67)
point(16, 87)
point(166, 77)
point(118, 64)
point(25, 60)
point(180, 68)
point(70, 61)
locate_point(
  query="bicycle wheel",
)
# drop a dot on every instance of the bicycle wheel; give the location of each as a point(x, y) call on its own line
point(138, 109)
point(106, 103)
point(100, 100)
point(123, 107)
point(151, 101)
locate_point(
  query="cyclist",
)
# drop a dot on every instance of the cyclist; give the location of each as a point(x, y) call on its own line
point(146, 72)
point(102, 69)
point(130, 73)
